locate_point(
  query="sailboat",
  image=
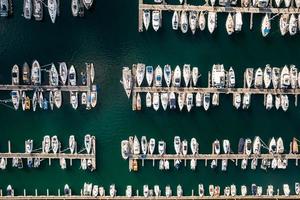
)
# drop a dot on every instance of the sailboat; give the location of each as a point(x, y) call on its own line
point(284, 23)
point(256, 145)
point(294, 76)
point(156, 20)
point(238, 21)
point(172, 100)
point(206, 101)
point(177, 145)
point(175, 20)
point(146, 18)
point(72, 144)
point(138, 102)
point(148, 100)
point(55, 144)
point(189, 101)
point(258, 81)
point(53, 76)
point(51, 100)
point(15, 75)
point(275, 77)
point(167, 74)
point(184, 22)
point(149, 75)
point(26, 73)
point(212, 21)
point(140, 74)
point(265, 26)
point(186, 74)
point(231, 78)
point(195, 75)
point(127, 80)
point(75, 7)
point(267, 76)
point(229, 24)
point(158, 76)
point(27, 9)
point(155, 101)
point(52, 9)
point(249, 74)
point(57, 98)
point(164, 97)
point(87, 3)
point(285, 80)
point(193, 20)
point(36, 73)
point(63, 72)
point(269, 101)
point(293, 25)
point(177, 77)
point(144, 145)
point(202, 21)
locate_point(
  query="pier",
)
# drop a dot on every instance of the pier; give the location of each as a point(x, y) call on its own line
point(207, 8)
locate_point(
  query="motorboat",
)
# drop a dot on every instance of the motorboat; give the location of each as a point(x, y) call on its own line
point(75, 7)
point(237, 100)
point(3, 163)
point(246, 101)
point(241, 146)
point(72, 76)
point(51, 100)
point(164, 98)
point(243, 190)
point(269, 101)
point(87, 3)
point(161, 147)
point(63, 72)
point(278, 3)
point(258, 81)
point(149, 75)
point(146, 18)
point(231, 78)
point(256, 145)
point(294, 76)
point(36, 73)
point(128, 191)
point(112, 190)
point(87, 189)
point(212, 21)
point(93, 97)
point(227, 191)
point(177, 145)
point(211, 190)
point(193, 16)
point(194, 146)
point(74, 99)
point(46, 144)
point(155, 101)
point(229, 24)
point(15, 97)
point(148, 100)
point(233, 190)
point(201, 190)
point(184, 26)
point(10, 191)
point(57, 98)
point(179, 191)
point(265, 26)
point(28, 146)
point(172, 100)
point(175, 20)
point(136, 146)
point(127, 80)
point(275, 77)
point(184, 146)
point(140, 74)
point(216, 147)
point(15, 75)
point(55, 144)
point(4, 8)
point(156, 20)
point(193, 164)
point(267, 76)
point(284, 102)
point(138, 102)
point(176, 77)
point(226, 146)
point(215, 99)
point(272, 146)
point(206, 101)
point(144, 145)
point(202, 21)
point(125, 149)
point(151, 146)
point(244, 164)
point(181, 100)
point(52, 9)
point(27, 9)
point(249, 75)
point(158, 76)
point(195, 75)
point(284, 23)
point(238, 21)
point(72, 144)
point(88, 143)
point(286, 190)
point(167, 74)
point(295, 146)
point(297, 188)
point(26, 73)
point(62, 163)
point(168, 191)
point(293, 25)
point(189, 101)
point(224, 165)
point(248, 146)
point(254, 189)
point(53, 76)
point(279, 146)
point(157, 190)
point(213, 164)
point(186, 74)
point(199, 99)
point(146, 191)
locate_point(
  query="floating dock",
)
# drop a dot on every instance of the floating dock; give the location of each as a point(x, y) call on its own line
point(207, 8)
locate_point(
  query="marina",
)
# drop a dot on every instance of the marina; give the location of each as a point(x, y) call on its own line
point(90, 191)
point(52, 150)
point(191, 17)
point(47, 89)
point(180, 88)
point(248, 150)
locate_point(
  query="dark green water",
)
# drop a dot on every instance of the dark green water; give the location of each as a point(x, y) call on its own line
point(108, 37)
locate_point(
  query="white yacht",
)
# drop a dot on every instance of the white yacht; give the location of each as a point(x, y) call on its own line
point(229, 24)
point(140, 74)
point(279, 146)
point(55, 145)
point(284, 99)
point(177, 77)
point(231, 77)
point(237, 100)
point(265, 26)
point(167, 74)
point(285, 79)
point(246, 100)
point(146, 18)
point(256, 145)
point(53, 76)
point(202, 21)
point(46, 144)
point(149, 75)
point(267, 76)
point(72, 144)
point(216, 147)
point(194, 146)
point(258, 81)
point(184, 146)
point(195, 75)
point(175, 20)
point(249, 75)
point(177, 145)
point(158, 76)
point(272, 146)
point(156, 20)
point(164, 97)
point(184, 26)
point(125, 149)
point(275, 77)
point(36, 73)
point(75, 7)
point(28, 146)
point(199, 99)
point(206, 101)
point(284, 23)
point(293, 25)
point(74, 100)
point(181, 100)
point(277, 102)
point(151, 146)
point(226, 146)
point(72, 76)
point(63, 72)
point(248, 147)
point(201, 190)
point(155, 101)
point(127, 80)
point(186, 74)
point(15, 97)
point(52, 9)
point(15, 75)
point(179, 191)
point(161, 147)
point(189, 101)
point(172, 100)
point(128, 191)
point(269, 101)
point(193, 16)
point(144, 145)
point(148, 100)
point(238, 21)
point(294, 76)
point(27, 9)
point(212, 21)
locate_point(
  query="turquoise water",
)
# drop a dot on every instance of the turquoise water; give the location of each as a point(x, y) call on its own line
point(108, 37)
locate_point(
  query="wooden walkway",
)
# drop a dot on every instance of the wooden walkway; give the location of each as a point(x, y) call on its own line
point(207, 8)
